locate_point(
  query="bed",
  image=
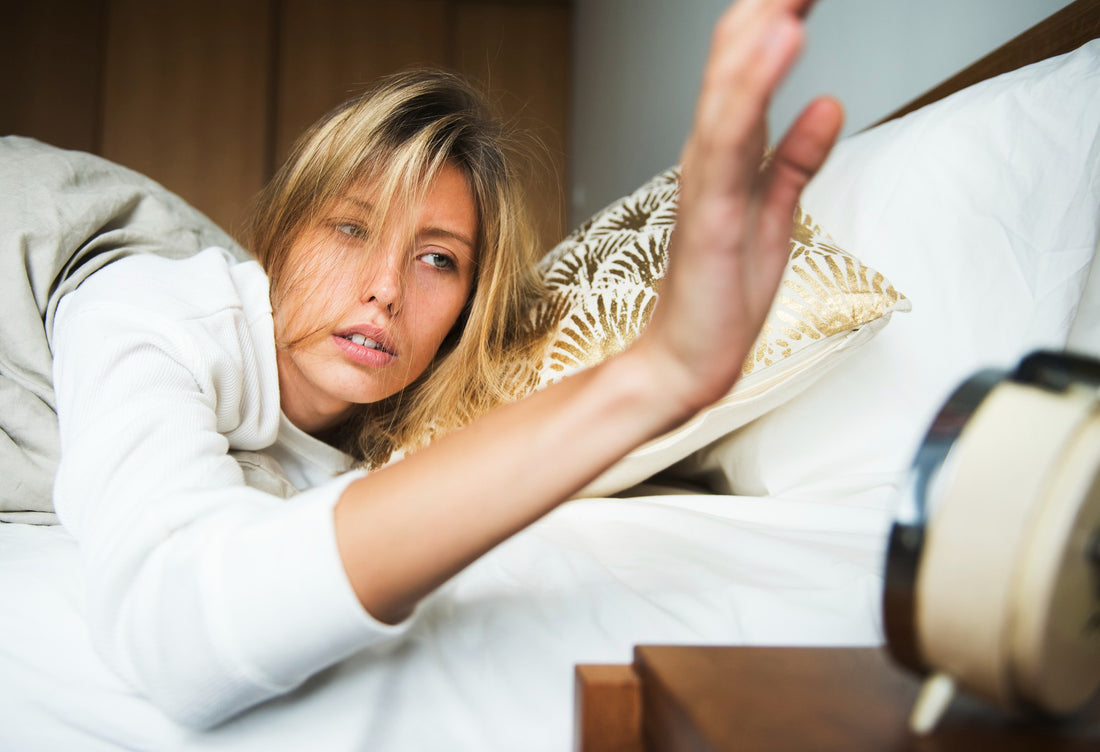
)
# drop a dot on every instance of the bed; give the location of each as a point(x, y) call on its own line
point(959, 236)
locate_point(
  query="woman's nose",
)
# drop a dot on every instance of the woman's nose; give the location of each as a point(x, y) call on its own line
point(385, 286)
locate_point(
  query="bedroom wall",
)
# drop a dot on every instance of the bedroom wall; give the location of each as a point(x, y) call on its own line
point(206, 96)
point(637, 65)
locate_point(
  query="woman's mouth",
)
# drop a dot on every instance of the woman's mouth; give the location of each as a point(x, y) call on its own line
point(364, 341)
point(364, 350)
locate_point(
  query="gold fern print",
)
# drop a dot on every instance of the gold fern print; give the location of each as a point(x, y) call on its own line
point(599, 326)
point(824, 292)
point(602, 286)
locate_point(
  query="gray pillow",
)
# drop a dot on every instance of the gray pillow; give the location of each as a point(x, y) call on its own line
point(64, 215)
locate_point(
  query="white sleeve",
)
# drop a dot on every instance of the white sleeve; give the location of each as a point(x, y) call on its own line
point(207, 595)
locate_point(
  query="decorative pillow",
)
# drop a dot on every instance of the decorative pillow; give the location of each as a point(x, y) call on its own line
point(983, 206)
point(604, 280)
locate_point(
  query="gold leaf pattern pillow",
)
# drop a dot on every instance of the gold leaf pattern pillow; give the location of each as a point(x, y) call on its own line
point(603, 283)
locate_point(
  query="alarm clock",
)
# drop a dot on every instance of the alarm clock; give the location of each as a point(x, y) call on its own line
point(992, 580)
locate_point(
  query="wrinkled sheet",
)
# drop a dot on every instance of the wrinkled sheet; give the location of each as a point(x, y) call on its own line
point(489, 665)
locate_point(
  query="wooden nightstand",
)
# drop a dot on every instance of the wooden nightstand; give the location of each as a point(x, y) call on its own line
point(712, 699)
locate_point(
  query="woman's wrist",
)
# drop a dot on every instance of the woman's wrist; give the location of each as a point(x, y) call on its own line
point(662, 389)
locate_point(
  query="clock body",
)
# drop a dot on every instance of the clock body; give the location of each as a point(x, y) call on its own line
point(993, 564)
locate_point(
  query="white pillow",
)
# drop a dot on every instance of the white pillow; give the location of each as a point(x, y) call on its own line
point(1084, 334)
point(984, 208)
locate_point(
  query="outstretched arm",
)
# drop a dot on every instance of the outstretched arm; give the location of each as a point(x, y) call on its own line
point(403, 531)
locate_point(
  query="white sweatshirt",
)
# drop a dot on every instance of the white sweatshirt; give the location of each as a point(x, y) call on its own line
point(205, 592)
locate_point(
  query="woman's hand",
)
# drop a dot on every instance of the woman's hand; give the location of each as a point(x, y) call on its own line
point(732, 235)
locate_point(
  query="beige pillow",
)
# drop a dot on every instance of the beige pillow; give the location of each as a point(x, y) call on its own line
point(603, 281)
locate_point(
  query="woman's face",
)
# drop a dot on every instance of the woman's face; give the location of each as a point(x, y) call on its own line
point(395, 302)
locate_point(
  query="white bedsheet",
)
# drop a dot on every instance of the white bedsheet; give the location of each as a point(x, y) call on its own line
point(489, 666)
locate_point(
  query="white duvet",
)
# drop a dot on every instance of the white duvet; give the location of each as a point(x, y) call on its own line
point(489, 664)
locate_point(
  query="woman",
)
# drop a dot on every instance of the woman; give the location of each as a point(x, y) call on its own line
point(192, 394)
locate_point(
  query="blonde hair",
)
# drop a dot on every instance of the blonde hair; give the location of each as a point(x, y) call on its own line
point(397, 137)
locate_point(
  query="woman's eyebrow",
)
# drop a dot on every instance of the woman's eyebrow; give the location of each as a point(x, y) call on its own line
point(427, 233)
point(366, 206)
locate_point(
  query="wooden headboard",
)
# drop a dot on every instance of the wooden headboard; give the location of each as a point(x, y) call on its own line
point(1062, 32)
point(206, 96)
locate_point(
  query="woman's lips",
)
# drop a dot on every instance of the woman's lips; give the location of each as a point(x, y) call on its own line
point(363, 348)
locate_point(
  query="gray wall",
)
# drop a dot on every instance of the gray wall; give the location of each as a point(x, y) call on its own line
point(637, 65)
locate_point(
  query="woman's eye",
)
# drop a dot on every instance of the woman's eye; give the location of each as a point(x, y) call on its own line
point(438, 260)
point(352, 230)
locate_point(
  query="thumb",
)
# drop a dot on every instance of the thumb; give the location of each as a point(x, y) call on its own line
point(797, 159)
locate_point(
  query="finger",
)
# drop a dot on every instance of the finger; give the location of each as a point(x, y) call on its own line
point(803, 7)
point(742, 15)
point(745, 21)
point(802, 150)
point(749, 53)
point(797, 159)
point(730, 131)
point(753, 46)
